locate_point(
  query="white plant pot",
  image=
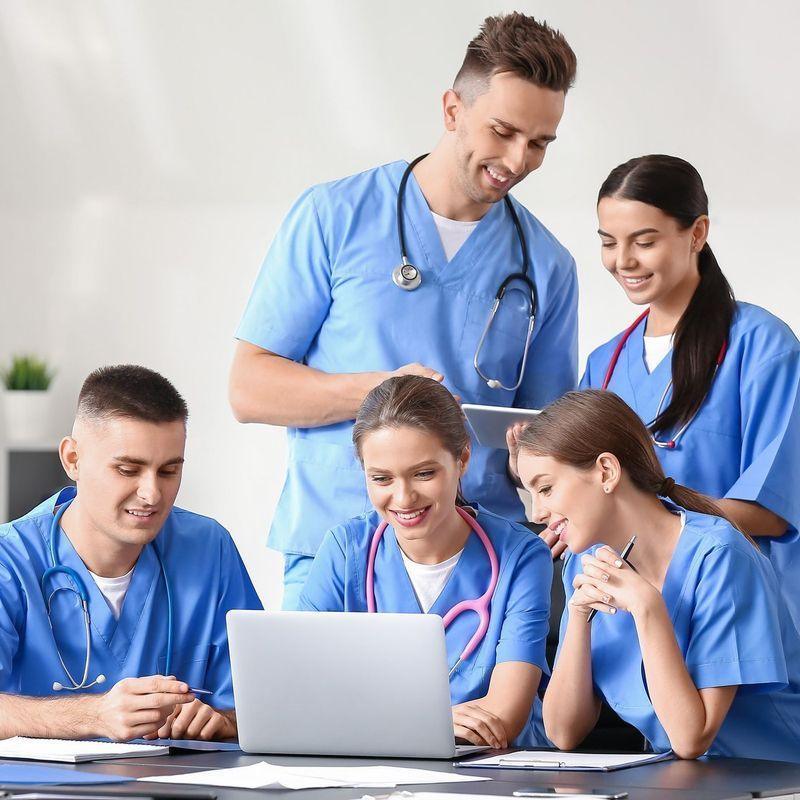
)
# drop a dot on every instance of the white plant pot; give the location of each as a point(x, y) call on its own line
point(28, 416)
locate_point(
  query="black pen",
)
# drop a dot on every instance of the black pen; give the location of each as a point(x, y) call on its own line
point(626, 551)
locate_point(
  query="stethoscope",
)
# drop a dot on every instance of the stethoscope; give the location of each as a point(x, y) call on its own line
point(480, 605)
point(80, 590)
point(408, 277)
point(671, 443)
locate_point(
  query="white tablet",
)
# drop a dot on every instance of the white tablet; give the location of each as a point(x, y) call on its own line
point(490, 423)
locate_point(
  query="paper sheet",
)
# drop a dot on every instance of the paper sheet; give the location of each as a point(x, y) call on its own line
point(263, 775)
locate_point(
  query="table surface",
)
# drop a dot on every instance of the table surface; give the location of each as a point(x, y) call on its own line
point(711, 779)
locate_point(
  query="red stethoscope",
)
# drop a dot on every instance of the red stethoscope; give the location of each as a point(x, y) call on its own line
point(480, 605)
point(612, 364)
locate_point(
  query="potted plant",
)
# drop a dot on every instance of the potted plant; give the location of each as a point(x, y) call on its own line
point(27, 399)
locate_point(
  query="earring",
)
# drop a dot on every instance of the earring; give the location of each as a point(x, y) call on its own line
point(606, 489)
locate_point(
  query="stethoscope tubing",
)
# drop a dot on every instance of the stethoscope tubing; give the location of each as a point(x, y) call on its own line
point(57, 568)
point(523, 276)
point(670, 444)
point(480, 605)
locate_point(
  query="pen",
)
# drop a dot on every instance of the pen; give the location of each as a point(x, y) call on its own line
point(624, 556)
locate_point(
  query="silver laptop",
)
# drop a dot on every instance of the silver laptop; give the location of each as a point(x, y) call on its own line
point(342, 684)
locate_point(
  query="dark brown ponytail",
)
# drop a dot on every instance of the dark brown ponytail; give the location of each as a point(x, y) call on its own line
point(675, 187)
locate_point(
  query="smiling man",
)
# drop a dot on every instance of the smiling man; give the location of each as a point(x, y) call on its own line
point(113, 601)
point(332, 315)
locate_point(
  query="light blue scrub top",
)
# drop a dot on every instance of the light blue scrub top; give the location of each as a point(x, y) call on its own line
point(325, 297)
point(744, 442)
point(207, 578)
point(519, 610)
point(722, 596)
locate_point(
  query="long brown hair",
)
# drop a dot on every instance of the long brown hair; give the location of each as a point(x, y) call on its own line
point(414, 402)
point(579, 426)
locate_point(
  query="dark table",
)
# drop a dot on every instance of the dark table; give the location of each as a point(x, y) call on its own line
point(708, 779)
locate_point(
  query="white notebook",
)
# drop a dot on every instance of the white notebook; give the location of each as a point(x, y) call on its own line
point(557, 760)
point(71, 751)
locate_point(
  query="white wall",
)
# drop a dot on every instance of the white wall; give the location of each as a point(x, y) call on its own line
point(149, 150)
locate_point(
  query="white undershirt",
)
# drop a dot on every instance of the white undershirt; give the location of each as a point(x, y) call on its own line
point(114, 590)
point(428, 580)
point(655, 349)
point(453, 233)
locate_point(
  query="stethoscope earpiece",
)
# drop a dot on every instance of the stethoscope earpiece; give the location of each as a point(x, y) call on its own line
point(492, 383)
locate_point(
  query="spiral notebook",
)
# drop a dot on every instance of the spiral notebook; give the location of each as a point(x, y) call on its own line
point(555, 760)
point(73, 752)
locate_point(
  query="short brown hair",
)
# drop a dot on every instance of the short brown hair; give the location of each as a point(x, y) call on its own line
point(519, 44)
point(131, 392)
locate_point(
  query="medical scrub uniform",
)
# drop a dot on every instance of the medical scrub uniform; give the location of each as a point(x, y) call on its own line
point(744, 443)
point(722, 597)
point(519, 608)
point(207, 578)
point(325, 297)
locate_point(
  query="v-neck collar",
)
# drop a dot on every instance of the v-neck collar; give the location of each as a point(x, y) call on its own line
point(647, 387)
point(116, 634)
point(419, 220)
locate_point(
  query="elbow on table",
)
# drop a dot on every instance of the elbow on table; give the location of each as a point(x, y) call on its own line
point(563, 739)
point(691, 747)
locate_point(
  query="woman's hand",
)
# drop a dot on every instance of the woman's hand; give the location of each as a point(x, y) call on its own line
point(474, 724)
point(512, 442)
point(607, 580)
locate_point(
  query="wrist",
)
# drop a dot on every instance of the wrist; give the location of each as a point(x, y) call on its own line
point(87, 715)
point(647, 608)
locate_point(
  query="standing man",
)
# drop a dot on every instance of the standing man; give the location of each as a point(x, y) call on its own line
point(332, 315)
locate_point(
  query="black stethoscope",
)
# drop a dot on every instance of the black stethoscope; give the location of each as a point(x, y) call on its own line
point(408, 277)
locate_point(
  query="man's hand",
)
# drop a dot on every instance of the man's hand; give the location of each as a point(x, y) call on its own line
point(196, 720)
point(417, 369)
point(136, 707)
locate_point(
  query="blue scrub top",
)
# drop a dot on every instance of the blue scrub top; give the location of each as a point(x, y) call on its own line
point(722, 596)
point(744, 443)
point(207, 578)
point(325, 297)
point(519, 610)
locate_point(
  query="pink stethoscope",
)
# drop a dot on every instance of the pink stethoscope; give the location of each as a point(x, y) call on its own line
point(669, 445)
point(480, 605)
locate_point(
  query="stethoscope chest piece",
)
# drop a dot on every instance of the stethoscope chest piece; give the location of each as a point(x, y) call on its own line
point(406, 276)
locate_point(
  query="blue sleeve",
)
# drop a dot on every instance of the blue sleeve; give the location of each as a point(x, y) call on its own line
point(770, 460)
point(735, 630)
point(324, 589)
point(523, 636)
point(235, 591)
point(12, 615)
point(552, 367)
point(292, 294)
